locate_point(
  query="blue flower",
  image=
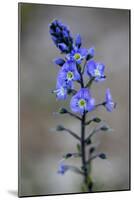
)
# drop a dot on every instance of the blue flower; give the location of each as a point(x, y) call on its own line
point(77, 54)
point(61, 36)
point(82, 101)
point(95, 70)
point(61, 90)
point(109, 104)
point(62, 169)
point(68, 73)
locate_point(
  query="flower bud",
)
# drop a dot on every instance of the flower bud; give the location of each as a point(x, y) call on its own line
point(62, 110)
point(96, 119)
point(102, 156)
point(59, 128)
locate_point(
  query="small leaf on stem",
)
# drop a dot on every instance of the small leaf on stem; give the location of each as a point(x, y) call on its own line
point(62, 110)
point(96, 119)
point(60, 128)
point(102, 156)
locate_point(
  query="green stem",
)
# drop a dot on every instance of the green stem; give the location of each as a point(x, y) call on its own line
point(73, 115)
point(84, 66)
point(72, 133)
point(83, 145)
point(83, 148)
point(89, 83)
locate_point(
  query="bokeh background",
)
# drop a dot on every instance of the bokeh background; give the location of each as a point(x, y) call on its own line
point(40, 149)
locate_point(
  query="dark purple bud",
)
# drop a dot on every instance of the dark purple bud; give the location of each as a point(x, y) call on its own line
point(78, 41)
point(59, 61)
point(57, 30)
point(63, 47)
point(65, 34)
point(102, 156)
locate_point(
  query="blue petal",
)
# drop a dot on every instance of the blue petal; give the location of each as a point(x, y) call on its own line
point(101, 67)
point(86, 94)
point(65, 34)
point(83, 52)
point(76, 75)
point(78, 40)
point(108, 95)
point(61, 75)
point(74, 104)
point(58, 30)
point(62, 169)
point(90, 67)
point(61, 92)
point(109, 104)
point(91, 52)
point(91, 104)
point(63, 47)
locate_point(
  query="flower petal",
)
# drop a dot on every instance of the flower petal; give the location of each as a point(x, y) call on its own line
point(78, 40)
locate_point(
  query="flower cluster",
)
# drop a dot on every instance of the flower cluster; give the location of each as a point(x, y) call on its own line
point(71, 70)
point(78, 63)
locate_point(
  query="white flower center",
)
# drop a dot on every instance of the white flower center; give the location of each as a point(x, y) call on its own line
point(97, 72)
point(70, 75)
point(82, 103)
point(77, 56)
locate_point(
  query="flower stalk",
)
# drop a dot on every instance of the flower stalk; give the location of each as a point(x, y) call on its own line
point(72, 71)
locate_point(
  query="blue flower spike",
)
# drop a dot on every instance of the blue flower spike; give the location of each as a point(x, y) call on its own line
point(76, 63)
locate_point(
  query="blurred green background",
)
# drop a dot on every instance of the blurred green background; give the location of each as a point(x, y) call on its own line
point(40, 149)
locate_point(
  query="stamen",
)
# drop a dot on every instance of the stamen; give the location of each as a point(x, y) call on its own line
point(82, 103)
point(97, 72)
point(77, 56)
point(70, 75)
